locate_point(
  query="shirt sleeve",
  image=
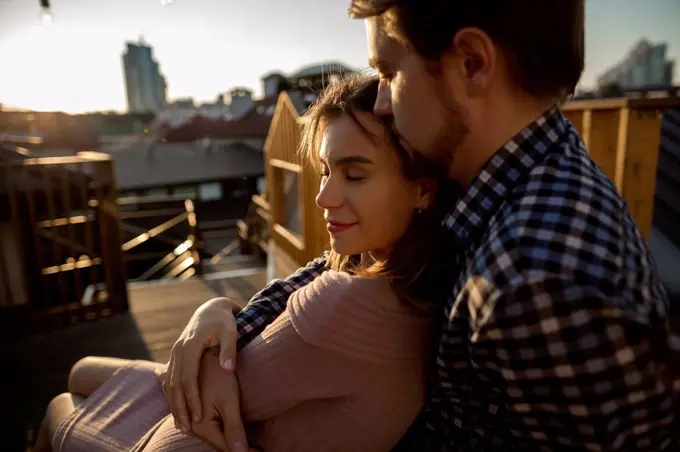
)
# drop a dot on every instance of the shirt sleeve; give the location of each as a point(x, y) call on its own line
point(577, 369)
point(270, 302)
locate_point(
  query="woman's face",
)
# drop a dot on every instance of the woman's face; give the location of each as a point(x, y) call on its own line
point(367, 201)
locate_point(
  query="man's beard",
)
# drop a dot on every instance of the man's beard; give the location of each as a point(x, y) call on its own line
point(445, 144)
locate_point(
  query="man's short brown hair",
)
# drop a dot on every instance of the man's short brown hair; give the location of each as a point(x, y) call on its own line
point(542, 40)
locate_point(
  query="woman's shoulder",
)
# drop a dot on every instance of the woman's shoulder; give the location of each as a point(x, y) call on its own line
point(335, 291)
point(356, 315)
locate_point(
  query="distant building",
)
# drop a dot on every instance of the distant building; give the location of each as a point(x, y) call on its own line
point(240, 102)
point(645, 65)
point(215, 110)
point(307, 82)
point(274, 83)
point(145, 85)
point(185, 102)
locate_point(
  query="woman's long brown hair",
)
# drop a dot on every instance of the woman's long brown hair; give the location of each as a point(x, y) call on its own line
point(414, 252)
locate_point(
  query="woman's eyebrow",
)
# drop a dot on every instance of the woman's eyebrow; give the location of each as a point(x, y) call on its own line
point(352, 159)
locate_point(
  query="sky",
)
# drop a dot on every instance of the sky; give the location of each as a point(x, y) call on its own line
point(206, 47)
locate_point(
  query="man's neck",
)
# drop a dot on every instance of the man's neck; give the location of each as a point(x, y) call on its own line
point(493, 132)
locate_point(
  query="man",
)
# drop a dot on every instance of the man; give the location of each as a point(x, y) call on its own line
point(555, 333)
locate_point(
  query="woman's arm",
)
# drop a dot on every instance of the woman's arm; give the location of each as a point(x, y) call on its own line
point(279, 370)
point(213, 324)
point(344, 352)
point(270, 302)
point(334, 334)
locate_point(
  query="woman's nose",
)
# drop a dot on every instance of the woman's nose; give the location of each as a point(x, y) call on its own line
point(330, 194)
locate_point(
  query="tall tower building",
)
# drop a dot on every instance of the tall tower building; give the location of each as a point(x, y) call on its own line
point(145, 85)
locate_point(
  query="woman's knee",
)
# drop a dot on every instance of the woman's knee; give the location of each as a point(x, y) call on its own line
point(91, 372)
point(58, 410)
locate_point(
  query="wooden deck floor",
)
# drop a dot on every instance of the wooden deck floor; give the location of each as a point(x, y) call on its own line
point(35, 369)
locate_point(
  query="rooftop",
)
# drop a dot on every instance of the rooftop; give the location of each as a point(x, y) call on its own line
point(254, 124)
point(183, 163)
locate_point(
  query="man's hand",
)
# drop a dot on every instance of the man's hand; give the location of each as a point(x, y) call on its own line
point(212, 325)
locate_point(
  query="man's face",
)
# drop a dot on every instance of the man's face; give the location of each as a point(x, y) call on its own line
point(427, 106)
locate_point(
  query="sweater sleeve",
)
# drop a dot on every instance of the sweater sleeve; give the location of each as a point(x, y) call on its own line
point(279, 369)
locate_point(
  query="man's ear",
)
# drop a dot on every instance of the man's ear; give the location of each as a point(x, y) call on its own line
point(477, 58)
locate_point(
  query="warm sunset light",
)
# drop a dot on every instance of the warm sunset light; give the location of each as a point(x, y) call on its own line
point(360, 225)
point(206, 47)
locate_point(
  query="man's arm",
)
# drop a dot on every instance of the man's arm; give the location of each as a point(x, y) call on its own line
point(580, 370)
point(266, 305)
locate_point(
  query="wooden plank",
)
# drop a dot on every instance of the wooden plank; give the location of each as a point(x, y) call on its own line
point(260, 202)
point(6, 298)
point(84, 198)
point(69, 160)
point(31, 273)
point(576, 118)
point(602, 133)
point(315, 232)
point(637, 158)
point(613, 104)
point(153, 232)
point(111, 235)
point(284, 264)
point(57, 256)
point(290, 237)
point(19, 264)
point(285, 165)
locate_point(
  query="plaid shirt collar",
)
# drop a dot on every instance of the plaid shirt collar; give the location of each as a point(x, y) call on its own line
point(501, 173)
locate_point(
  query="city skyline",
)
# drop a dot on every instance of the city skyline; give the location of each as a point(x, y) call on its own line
point(206, 47)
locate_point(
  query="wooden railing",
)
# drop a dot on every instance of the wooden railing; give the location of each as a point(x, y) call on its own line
point(68, 244)
point(623, 136)
point(161, 234)
point(283, 164)
point(60, 235)
point(253, 231)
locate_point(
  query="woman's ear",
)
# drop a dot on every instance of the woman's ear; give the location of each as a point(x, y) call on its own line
point(427, 192)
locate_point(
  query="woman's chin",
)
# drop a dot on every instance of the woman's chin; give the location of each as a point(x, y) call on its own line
point(343, 248)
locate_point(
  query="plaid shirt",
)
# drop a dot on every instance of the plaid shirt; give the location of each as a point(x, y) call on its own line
point(555, 335)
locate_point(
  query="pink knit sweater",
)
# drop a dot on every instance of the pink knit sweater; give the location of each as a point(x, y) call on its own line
point(342, 369)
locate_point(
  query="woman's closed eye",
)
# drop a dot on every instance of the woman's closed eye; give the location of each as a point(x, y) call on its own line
point(350, 174)
point(354, 175)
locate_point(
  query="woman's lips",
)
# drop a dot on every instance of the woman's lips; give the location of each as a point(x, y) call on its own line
point(334, 226)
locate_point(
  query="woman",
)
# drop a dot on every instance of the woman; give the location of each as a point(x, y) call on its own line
point(343, 367)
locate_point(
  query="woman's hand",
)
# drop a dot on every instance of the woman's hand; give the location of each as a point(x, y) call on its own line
point(213, 324)
point(219, 396)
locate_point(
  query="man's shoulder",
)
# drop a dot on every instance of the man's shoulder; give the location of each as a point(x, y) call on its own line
point(567, 218)
point(567, 198)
